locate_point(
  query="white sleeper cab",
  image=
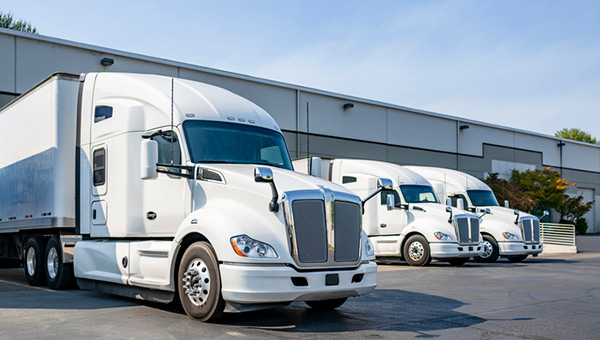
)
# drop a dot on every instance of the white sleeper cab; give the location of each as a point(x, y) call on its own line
point(509, 233)
point(407, 222)
point(149, 186)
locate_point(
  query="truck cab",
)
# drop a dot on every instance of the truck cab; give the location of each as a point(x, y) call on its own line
point(508, 233)
point(170, 187)
point(409, 222)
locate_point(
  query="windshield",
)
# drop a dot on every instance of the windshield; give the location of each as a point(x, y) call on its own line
point(219, 142)
point(482, 198)
point(418, 194)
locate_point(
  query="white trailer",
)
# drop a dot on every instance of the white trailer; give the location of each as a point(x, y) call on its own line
point(149, 186)
point(509, 233)
point(408, 222)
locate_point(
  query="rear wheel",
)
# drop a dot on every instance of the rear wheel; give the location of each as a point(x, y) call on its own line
point(515, 259)
point(199, 283)
point(326, 304)
point(490, 250)
point(416, 251)
point(58, 274)
point(34, 261)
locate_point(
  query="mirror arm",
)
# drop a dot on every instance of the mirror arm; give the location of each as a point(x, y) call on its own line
point(371, 196)
point(273, 206)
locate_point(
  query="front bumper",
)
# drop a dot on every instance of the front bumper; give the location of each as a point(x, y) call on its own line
point(454, 250)
point(519, 248)
point(251, 284)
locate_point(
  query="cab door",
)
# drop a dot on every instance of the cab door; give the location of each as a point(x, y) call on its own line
point(165, 204)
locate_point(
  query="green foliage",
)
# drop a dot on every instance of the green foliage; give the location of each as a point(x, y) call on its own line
point(546, 188)
point(581, 226)
point(505, 190)
point(7, 20)
point(576, 134)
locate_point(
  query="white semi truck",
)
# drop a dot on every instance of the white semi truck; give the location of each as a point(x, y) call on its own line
point(509, 233)
point(150, 186)
point(409, 222)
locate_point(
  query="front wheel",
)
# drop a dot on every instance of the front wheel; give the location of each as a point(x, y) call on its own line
point(58, 274)
point(490, 250)
point(515, 259)
point(416, 251)
point(199, 283)
point(326, 304)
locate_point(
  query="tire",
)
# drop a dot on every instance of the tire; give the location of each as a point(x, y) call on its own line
point(515, 259)
point(33, 261)
point(59, 275)
point(459, 261)
point(326, 304)
point(199, 266)
point(491, 250)
point(416, 251)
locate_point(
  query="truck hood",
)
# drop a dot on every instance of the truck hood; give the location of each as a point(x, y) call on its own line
point(503, 219)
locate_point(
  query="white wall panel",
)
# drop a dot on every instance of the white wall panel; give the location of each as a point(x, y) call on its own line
point(420, 131)
point(471, 140)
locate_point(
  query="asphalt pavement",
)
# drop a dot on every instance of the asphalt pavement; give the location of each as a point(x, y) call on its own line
point(548, 297)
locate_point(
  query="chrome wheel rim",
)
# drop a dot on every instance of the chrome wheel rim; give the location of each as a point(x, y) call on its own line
point(52, 263)
point(196, 282)
point(487, 249)
point(31, 261)
point(416, 251)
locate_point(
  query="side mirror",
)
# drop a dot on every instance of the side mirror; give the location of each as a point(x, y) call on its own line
point(460, 203)
point(546, 213)
point(148, 159)
point(449, 201)
point(263, 174)
point(506, 205)
point(384, 184)
point(316, 165)
point(390, 202)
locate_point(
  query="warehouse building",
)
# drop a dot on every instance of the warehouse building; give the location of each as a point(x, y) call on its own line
point(321, 123)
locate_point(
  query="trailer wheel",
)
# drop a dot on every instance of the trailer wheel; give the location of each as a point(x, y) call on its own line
point(34, 261)
point(490, 250)
point(416, 251)
point(515, 259)
point(58, 274)
point(326, 304)
point(199, 283)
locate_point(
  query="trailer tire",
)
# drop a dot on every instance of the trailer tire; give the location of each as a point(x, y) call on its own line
point(416, 251)
point(491, 250)
point(59, 275)
point(516, 259)
point(326, 304)
point(199, 283)
point(33, 261)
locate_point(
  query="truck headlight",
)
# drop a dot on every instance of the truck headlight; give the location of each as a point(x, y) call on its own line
point(369, 251)
point(247, 247)
point(510, 236)
point(442, 236)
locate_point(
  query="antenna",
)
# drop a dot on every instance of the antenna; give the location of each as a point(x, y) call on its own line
point(308, 134)
point(172, 129)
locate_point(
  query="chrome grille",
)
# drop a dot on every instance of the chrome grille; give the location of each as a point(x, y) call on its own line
point(530, 230)
point(324, 227)
point(311, 231)
point(467, 229)
point(347, 231)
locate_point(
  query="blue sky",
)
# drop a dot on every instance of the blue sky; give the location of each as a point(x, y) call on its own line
point(533, 65)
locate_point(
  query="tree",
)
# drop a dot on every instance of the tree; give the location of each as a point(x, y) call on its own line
point(576, 134)
point(7, 21)
point(509, 191)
